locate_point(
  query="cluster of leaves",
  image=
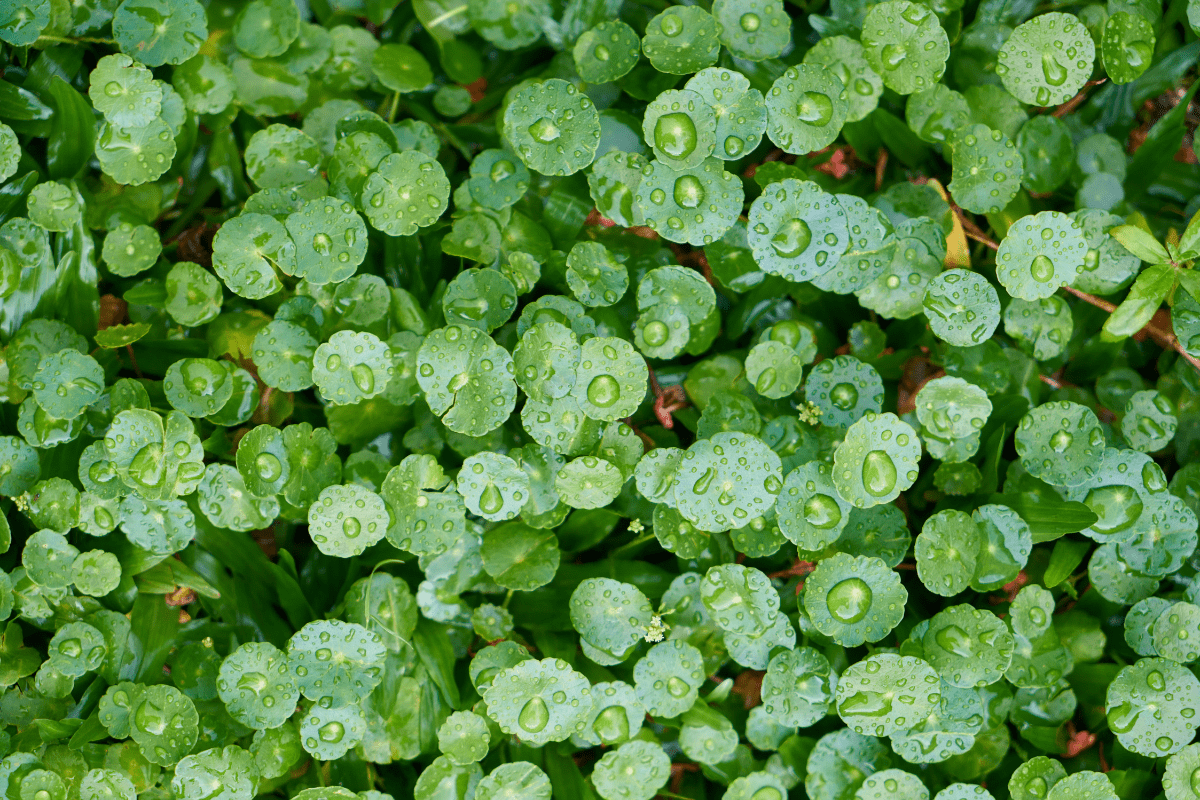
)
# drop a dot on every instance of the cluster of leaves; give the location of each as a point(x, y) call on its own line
point(599, 399)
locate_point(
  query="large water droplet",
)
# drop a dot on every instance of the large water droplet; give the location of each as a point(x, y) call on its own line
point(675, 134)
point(954, 639)
point(844, 396)
point(150, 718)
point(815, 108)
point(268, 467)
point(503, 169)
point(544, 131)
point(1042, 268)
point(767, 793)
point(750, 22)
point(704, 481)
point(878, 474)
point(676, 687)
point(656, 333)
point(1118, 507)
point(351, 527)
point(611, 725)
point(893, 55)
point(1060, 441)
point(822, 511)
point(322, 244)
point(792, 238)
point(490, 500)
point(1054, 72)
point(689, 192)
point(604, 391)
point(331, 732)
point(364, 378)
point(849, 601)
point(534, 715)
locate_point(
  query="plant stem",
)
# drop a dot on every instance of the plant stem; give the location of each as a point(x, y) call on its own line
point(1091, 299)
point(454, 12)
point(75, 40)
point(1164, 339)
point(645, 537)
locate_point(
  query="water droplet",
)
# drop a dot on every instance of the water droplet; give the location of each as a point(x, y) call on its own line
point(71, 648)
point(611, 725)
point(734, 145)
point(893, 55)
point(333, 362)
point(491, 500)
point(767, 793)
point(822, 511)
point(815, 108)
point(849, 601)
point(1054, 72)
point(689, 192)
point(878, 474)
point(604, 391)
point(676, 687)
point(364, 378)
point(322, 244)
point(954, 639)
point(268, 467)
point(656, 333)
point(544, 131)
point(844, 396)
point(1118, 507)
point(331, 732)
point(104, 519)
point(750, 22)
point(503, 169)
point(150, 718)
point(1042, 268)
point(792, 239)
point(601, 53)
point(351, 527)
point(671, 25)
point(534, 715)
point(704, 481)
point(675, 134)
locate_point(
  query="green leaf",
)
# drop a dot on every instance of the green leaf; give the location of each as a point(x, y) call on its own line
point(1140, 243)
point(1145, 298)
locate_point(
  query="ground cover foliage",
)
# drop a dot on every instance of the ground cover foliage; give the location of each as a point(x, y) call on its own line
point(599, 399)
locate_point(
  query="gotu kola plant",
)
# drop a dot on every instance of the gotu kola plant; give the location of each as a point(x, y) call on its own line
point(479, 400)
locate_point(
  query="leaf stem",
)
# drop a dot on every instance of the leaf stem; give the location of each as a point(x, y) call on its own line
point(972, 230)
point(1164, 339)
point(1091, 299)
point(74, 40)
point(395, 108)
point(454, 12)
point(645, 537)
